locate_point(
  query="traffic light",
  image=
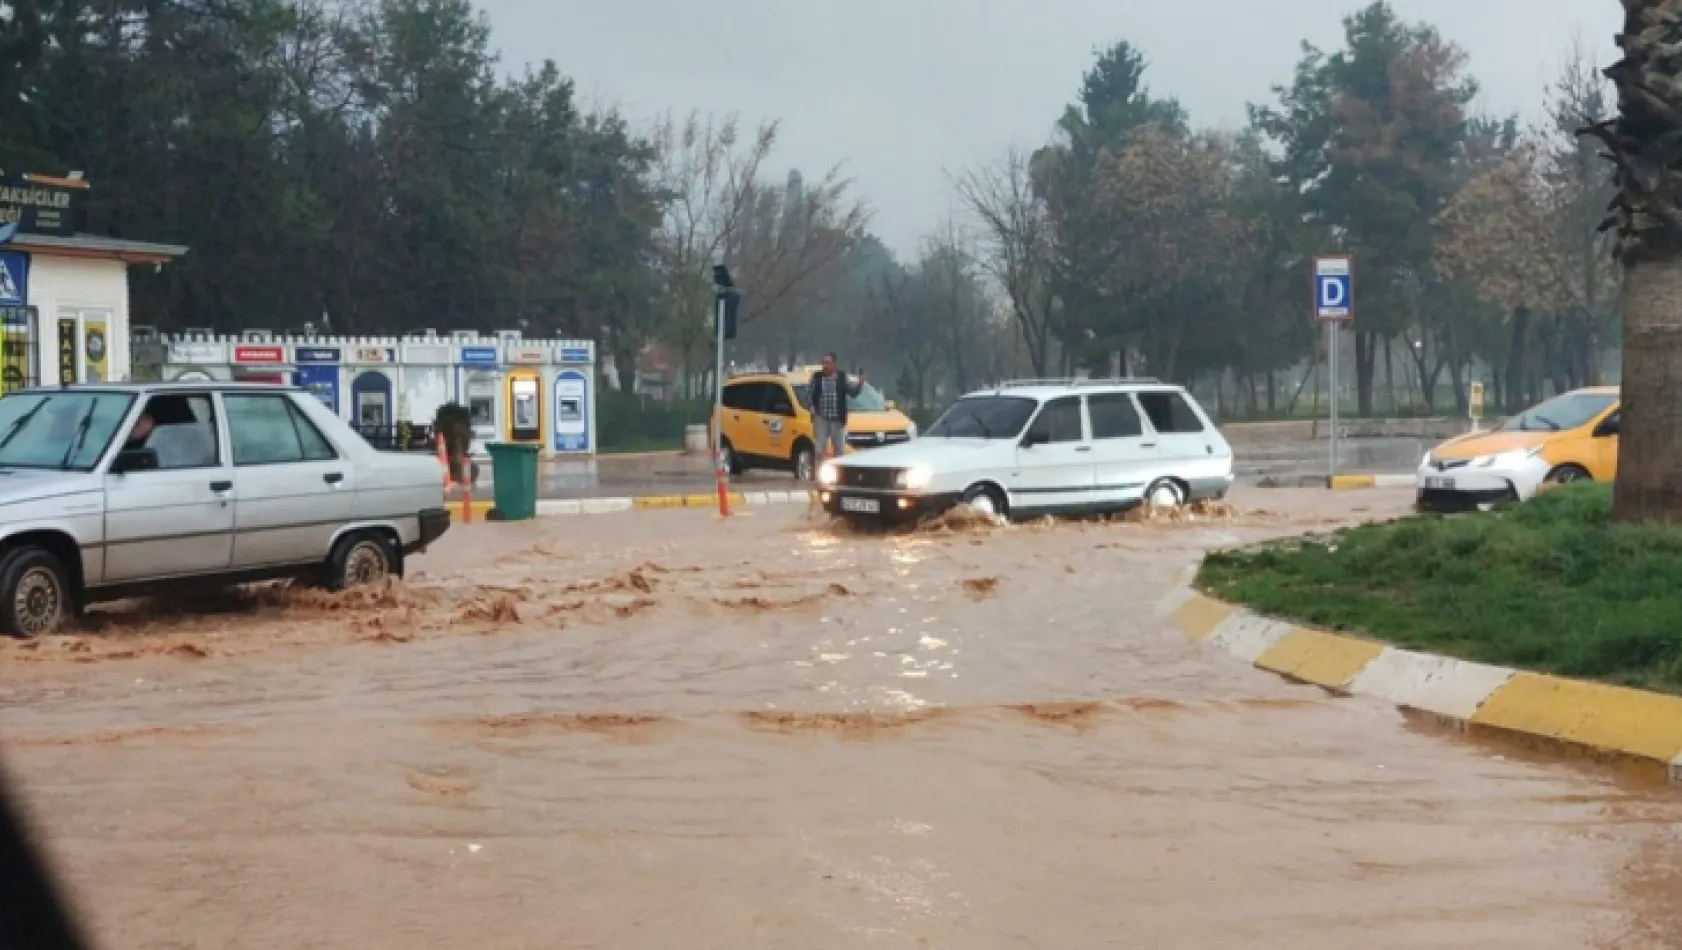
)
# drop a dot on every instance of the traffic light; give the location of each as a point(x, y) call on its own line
point(727, 303)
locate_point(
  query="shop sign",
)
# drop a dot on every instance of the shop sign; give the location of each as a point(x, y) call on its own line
point(66, 350)
point(427, 353)
point(479, 355)
point(315, 354)
point(526, 354)
point(373, 354)
point(196, 353)
point(40, 208)
point(572, 354)
point(259, 354)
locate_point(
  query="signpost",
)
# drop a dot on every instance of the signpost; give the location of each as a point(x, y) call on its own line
point(726, 298)
point(1474, 404)
point(1334, 305)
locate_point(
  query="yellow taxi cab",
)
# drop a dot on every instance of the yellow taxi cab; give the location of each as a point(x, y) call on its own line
point(767, 422)
point(1572, 437)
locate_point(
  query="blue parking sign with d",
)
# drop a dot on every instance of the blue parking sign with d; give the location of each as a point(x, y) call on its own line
point(1334, 289)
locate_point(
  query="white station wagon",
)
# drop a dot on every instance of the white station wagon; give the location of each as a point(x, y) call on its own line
point(111, 491)
point(1037, 447)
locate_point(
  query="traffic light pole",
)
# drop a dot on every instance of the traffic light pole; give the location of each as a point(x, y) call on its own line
point(721, 470)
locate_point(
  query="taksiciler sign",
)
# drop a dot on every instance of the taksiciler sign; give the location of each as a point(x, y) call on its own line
point(260, 354)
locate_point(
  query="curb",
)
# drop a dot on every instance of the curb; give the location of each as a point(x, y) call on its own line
point(557, 507)
point(1348, 482)
point(1621, 726)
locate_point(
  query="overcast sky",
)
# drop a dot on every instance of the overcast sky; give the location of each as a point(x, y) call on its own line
point(901, 91)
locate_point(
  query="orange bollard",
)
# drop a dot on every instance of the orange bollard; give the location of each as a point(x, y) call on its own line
point(444, 460)
point(723, 483)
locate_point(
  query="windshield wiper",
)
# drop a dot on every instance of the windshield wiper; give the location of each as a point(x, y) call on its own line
point(986, 433)
point(20, 422)
point(81, 434)
point(1552, 425)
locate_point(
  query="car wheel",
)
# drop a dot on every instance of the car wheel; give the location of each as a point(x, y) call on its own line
point(1165, 493)
point(1567, 474)
point(364, 559)
point(805, 463)
point(987, 500)
point(35, 594)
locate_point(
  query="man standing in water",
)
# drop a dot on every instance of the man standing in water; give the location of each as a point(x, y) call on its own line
point(830, 389)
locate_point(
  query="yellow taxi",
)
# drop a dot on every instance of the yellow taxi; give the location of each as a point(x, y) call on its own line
point(1572, 437)
point(767, 422)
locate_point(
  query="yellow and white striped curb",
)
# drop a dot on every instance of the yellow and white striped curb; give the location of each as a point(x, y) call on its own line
point(1628, 727)
point(1348, 482)
point(554, 507)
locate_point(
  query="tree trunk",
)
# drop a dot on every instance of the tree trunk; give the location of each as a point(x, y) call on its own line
point(1390, 378)
point(1365, 349)
point(1516, 401)
point(1649, 484)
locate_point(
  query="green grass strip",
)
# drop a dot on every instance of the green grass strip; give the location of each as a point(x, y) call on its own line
point(1550, 585)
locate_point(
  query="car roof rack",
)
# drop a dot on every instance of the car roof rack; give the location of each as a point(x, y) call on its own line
point(1077, 381)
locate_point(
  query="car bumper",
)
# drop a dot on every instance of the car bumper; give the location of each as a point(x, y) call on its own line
point(885, 506)
point(1469, 487)
point(433, 523)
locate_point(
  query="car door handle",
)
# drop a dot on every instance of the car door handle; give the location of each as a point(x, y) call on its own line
point(1147, 445)
point(1083, 448)
point(221, 486)
point(333, 478)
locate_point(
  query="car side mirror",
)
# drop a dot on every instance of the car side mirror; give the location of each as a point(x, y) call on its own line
point(892, 405)
point(1035, 438)
point(1606, 428)
point(134, 460)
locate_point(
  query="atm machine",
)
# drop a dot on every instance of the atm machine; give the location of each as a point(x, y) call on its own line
point(525, 407)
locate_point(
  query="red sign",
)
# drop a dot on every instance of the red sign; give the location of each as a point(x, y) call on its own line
point(259, 354)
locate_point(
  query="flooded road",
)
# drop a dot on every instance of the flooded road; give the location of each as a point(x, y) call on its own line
point(654, 730)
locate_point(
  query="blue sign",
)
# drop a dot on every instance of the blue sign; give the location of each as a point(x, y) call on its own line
point(322, 381)
point(1334, 289)
point(575, 354)
point(14, 279)
point(315, 354)
point(479, 355)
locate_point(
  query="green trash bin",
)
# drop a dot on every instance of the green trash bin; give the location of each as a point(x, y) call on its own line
point(514, 477)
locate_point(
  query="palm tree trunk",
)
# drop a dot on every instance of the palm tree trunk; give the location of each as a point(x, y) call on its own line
point(1649, 486)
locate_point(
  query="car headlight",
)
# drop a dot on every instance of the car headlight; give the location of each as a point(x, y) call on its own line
point(911, 430)
point(915, 477)
point(827, 473)
point(1515, 457)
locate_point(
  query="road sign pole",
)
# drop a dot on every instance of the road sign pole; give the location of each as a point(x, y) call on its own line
point(721, 470)
point(1331, 378)
point(1334, 303)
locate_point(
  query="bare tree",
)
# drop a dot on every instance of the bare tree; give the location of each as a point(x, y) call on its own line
point(718, 208)
point(705, 173)
point(1017, 249)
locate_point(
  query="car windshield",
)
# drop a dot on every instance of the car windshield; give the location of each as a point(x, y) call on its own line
point(983, 417)
point(68, 431)
point(1560, 413)
point(869, 398)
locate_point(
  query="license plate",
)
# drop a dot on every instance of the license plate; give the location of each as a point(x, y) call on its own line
point(1439, 482)
point(865, 506)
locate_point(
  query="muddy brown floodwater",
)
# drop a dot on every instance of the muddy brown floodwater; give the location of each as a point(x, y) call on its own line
point(656, 730)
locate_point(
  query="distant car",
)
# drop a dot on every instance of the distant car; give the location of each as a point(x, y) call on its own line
point(1037, 447)
point(233, 483)
point(768, 422)
point(1572, 437)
